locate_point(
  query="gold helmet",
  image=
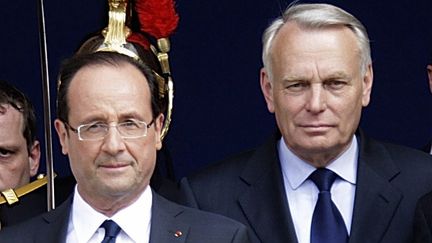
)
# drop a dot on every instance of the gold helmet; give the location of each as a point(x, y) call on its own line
point(140, 29)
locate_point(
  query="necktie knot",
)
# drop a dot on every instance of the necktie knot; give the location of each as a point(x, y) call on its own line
point(323, 179)
point(111, 231)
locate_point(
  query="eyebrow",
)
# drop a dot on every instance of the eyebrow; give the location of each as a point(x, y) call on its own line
point(9, 147)
point(132, 114)
point(121, 116)
point(338, 75)
point(294, 78)
point(301, 78)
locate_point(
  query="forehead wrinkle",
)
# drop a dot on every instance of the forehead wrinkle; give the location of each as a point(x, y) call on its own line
point(338, 74)
point(112, 115)
point(9, 119)
point(109, 111)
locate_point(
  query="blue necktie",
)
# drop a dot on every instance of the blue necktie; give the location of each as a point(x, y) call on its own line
point(327, 222)
point(111, 231)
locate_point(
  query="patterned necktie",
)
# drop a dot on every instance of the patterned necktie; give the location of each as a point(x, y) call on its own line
point(327, 222)
point(111, 231)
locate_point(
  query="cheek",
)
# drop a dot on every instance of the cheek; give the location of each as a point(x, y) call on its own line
point(349, 112)
point(14, 171)
point(288, 106)
point(82, 155)
point(15, 166)
point(144, 154)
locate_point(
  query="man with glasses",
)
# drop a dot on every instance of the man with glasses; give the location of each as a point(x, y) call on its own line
point(109, 124)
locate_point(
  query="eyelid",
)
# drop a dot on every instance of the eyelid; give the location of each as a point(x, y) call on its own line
point(296, 85)
point(130, 120)
point(336, 81)
point(6, 151)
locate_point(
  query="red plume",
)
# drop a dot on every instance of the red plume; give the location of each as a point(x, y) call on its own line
point(157, 17)
point(139, 39)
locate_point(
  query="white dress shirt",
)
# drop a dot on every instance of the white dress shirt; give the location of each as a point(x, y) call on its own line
point(133, 220)
point(302, 193)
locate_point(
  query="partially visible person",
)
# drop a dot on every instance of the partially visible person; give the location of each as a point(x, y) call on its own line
point(109, 124)
point(429, 71)
point(19, 149)
point(319, 179)
point(428, 147)
point(19, 160)
point(423, 214)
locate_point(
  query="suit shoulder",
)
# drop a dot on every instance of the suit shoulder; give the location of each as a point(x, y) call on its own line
point(228, 167)
point(46, 227)
point(426, 202)
point(21, 232)
point(202, 218)
point(209, 227)
point(203, 226)
point(195, 217)
point(409, 155)
point(214, 225)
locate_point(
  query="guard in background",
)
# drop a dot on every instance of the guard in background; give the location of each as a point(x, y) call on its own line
point(20, 197)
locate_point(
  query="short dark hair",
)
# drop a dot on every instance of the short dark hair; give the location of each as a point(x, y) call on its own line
point(10, 95)
point(71, 66)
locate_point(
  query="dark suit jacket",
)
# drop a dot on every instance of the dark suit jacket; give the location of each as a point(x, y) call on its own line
point(35, 202)
point(423, 220)
point(427, 148)
point(249, 188)
point(167, 218)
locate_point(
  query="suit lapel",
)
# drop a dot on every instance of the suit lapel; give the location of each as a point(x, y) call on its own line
point(376, 200)
point(264, 203)
point(57, 223)
point(165, 227)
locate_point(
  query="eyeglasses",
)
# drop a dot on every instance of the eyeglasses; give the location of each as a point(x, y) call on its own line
point(97, 131)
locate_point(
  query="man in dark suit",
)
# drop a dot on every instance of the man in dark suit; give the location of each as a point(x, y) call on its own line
point(109, 124)
point(317, 77)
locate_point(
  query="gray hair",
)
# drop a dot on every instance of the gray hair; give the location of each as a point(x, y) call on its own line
point(317, 16)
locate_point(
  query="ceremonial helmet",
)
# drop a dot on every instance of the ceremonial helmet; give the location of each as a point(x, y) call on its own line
point(141, 29)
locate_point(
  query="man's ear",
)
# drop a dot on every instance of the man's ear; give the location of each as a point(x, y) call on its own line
point(267, 89)
point(367, 85)
point(158, 123)
point(62, 135)
point(34, 158)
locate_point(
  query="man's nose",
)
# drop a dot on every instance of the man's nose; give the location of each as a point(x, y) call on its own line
point(316, 99)
point(113, 141)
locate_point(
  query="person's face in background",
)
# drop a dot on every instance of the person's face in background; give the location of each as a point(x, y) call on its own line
point(316, 89)
point(113, 170)
point(17, 164)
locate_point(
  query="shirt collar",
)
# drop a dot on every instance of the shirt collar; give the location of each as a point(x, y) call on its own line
point(296, 170)
point(135, 220)
point(86, 221)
